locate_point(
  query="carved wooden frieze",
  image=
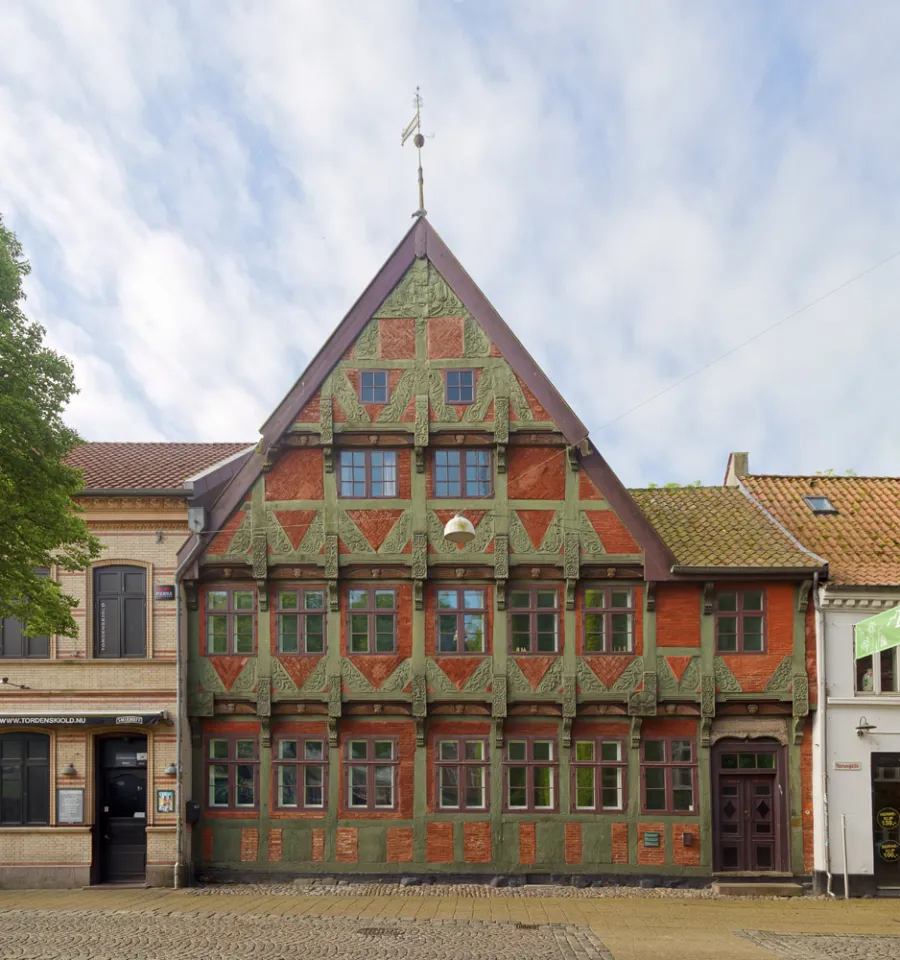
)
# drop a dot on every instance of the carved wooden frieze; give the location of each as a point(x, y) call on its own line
point(331, 556)
point(498, 696)
point(400, 399)
point(501, 556)
point(571, 568)
point(264, 697)
point(351, 535)
point(334, 695)
point(326, 420)
point(501, 420)
point(420, 556)
point(800, 688)
point(398, 680)
point(347, 399)
point(725, 679)
point(367, 343)
point(260, 555)
point(707, 695)
point(780, 681)
point(475, 340)
point(246, 680)
point(419, 696)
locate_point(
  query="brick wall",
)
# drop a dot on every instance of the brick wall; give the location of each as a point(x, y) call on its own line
point(678, 615)
point(754, 670)
point(686, 856)
point(477, 842)
point(439, 842)
point(620, 843)
point(527, 843)
point(652, 856)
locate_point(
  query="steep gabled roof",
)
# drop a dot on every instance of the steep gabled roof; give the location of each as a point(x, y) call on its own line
point(420, 242)
point(861, 541)
point(153, 467)
point(708, 527)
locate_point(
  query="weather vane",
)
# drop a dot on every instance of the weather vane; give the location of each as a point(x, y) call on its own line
point(415, 126)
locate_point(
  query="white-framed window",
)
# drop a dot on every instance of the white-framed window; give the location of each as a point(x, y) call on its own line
point(879, 673)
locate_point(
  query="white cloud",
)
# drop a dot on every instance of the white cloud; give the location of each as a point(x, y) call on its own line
point(205, 189)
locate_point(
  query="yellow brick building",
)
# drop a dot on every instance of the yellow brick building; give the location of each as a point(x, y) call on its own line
point(88, 725)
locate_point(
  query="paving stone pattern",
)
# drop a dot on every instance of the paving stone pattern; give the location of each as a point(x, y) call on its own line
point(133, 935)
point(815, 946)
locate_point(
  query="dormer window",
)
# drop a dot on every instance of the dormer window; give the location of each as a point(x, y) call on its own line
point(820, 504)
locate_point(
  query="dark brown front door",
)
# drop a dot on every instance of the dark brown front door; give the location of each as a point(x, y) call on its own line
point(749, 808)
point(886, 818)
point(122, 820)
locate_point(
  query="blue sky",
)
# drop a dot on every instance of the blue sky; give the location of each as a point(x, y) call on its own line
point(205, 187)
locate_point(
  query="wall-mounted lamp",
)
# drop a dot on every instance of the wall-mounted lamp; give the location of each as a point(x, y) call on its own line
point(459, 530)
point(69, 770)
point(864, 727)
point(170, 770)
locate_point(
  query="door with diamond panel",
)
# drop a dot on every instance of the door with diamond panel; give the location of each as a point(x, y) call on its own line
point(748, 819)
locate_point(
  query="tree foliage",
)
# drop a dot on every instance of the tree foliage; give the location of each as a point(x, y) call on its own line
point(39, 522)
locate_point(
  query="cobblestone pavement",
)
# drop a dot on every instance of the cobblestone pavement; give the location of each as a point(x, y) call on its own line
point(100, 935)
point(824, 946)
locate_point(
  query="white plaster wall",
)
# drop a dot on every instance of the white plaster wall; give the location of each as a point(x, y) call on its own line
point(849, 792)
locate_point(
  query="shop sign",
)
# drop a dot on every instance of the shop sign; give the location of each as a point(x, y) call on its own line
point(79, 720)
point(165, 591)
point(69, 805)
point(889, 850)
point(887, 818)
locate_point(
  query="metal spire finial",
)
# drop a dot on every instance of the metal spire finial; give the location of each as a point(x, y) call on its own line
point(415, 126)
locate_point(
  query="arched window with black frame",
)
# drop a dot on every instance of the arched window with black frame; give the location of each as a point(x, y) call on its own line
point(24, 779)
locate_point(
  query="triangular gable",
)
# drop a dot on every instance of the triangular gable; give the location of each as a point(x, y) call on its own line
point(420, 242)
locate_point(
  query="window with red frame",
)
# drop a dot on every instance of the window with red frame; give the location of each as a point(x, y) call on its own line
point(371, 764)
point(461, 618)
point(232, 772)
point(741, 621)
point(668, 772)
point(461, 765)
point(530, 774)
point(608, 620)
point(534, 620)
point(230, 620)
point(599, 771)
point(301, 768)
point(301, 620)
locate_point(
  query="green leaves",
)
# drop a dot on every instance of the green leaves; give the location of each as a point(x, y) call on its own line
point(39, 522)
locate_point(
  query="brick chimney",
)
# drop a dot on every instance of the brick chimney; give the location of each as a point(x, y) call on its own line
point(738, 466)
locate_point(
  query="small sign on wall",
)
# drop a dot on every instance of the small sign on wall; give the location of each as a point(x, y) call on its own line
point(164, 591)
point(165, 801)
point(847, 765)
point(69, 805)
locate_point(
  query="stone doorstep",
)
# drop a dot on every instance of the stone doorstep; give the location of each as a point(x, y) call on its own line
point(749, 889)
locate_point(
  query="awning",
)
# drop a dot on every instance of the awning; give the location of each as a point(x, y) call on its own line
point(881, 632)
point(83, 719)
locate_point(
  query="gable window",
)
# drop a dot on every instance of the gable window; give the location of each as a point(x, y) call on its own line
point(820, 505)
point(599, 775)
point(462, 473)
point(608, 620)
point(14, 644)
point(534, 620)
point(230, 620)
point(373, 386)
point(371, 773)
point(300, 772)
point(462, 766)
point(668, 773)
point(460, 386)
point(301, 620)
point(368, 473)
point(232, 772)
point(24, 779)
point(879, 672)
point(120, 612)
point(530, 774)
point(460, 620)
point(740, 621)
point(373, 620)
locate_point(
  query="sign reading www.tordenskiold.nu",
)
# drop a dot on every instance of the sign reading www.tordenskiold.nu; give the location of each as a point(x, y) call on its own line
point(880, 632)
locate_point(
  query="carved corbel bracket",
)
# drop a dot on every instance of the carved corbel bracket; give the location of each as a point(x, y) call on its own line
point(636, 732)
point(420, 731)
point(191, 594)
point(708, 598)
point(334, 601)
point(419, 594)
point(420, 459)
point(651, 596)
point(796, 731)
point(328, 459)
point(705, 731)
point(572, 457)
point(570, 594)
point(265, 726)
point(332, 731)
point(803, 596)
point(501, 458)
point(501, 594)
point(497, 725)
point(262, 594)
point(567, 733)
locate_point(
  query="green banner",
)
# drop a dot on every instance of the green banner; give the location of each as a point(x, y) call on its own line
point(881, 632)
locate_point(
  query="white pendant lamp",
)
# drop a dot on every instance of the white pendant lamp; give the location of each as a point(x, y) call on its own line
point(459, 530)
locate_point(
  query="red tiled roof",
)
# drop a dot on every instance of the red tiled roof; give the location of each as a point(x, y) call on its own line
point(147, 466)
point(719, 527)
point(861, 542)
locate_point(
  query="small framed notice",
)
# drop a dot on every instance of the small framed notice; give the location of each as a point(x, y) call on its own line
point(165, 801)
point(69, 805)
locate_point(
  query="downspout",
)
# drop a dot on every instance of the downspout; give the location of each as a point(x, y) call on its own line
point(822, 708)
point(179, 687)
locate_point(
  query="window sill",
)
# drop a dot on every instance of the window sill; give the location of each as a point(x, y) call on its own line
point(864, 699)
point(34, 828)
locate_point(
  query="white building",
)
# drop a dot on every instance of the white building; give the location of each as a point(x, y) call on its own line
point(854, 524)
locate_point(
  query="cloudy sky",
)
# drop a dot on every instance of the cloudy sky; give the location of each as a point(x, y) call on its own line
point(205, 187)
